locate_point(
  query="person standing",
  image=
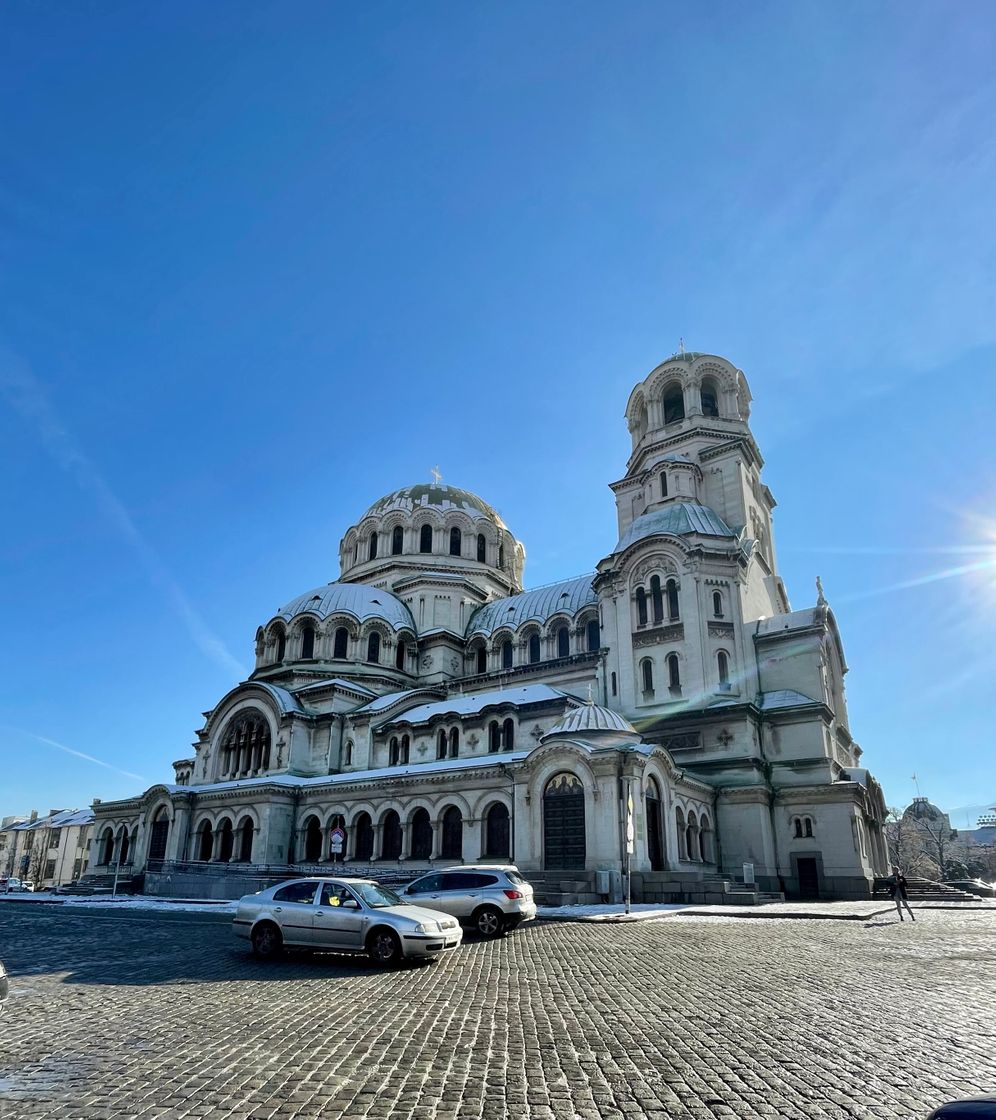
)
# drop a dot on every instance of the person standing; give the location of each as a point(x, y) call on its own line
point(899, 890)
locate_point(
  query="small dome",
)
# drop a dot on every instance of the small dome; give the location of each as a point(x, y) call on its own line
point(435, 495)
point(356, 599)
point(679, 519)
point(923, 810)
point(538, 605)
point(591, 721)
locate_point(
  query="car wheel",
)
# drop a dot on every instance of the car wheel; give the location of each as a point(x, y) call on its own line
point(266, 940)
point(489, 921)
point(383, 946)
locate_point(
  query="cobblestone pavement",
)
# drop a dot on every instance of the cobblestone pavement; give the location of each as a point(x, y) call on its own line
point(131, 1014)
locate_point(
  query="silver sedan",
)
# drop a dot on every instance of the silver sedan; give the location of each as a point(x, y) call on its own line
point(350, 916)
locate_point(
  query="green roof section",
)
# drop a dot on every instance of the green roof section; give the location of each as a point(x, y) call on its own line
point(680, 519)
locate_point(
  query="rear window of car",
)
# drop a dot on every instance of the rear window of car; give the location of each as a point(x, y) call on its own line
point(297, 892)
point(479, 879)
point(516, 878)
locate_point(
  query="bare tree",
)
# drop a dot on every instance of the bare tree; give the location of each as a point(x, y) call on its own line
point(905, 846)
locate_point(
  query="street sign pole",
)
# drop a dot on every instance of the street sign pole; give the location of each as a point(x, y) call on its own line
point(630, 843)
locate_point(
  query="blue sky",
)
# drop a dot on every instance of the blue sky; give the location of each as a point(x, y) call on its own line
point(264, 263)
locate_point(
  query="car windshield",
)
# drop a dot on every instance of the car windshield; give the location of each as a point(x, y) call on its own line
point(374, 895)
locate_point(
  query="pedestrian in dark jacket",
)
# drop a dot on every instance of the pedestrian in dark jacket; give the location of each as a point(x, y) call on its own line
point(900, 893)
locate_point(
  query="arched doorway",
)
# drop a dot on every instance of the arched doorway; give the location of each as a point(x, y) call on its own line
point(390, 844)
point(421, 827)
point(245, 833)
point(227, 842)
point(655, 826)
point(496, 831)
point(159, 834)
point(363, 828)
point(205, 846)
point(124, 845)
point(563, 822)
point(312, 840)
point(107, 847)
point(452, 846)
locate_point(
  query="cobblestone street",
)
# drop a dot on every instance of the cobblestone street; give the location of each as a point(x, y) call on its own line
point(144, 1014)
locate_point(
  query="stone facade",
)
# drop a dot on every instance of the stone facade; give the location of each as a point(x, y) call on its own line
point(433, 711)
point(48, 851)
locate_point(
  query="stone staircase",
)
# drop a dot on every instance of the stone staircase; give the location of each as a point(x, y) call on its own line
point(926, 890)
point(560, 889)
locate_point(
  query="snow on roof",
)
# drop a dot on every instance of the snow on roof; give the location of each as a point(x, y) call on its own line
point(356, 599)
point(795, 620)
point(568, 596)
point(413, 770)
point(783, 698)
point(335, 682)
point(477, 702)
point(391, 698)
point(61, 818)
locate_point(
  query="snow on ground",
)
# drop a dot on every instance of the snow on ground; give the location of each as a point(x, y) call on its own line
point(610, 911)
point(125, 902)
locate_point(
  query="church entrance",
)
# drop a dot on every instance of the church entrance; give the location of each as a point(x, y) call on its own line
point(808, 871)
point(655, 826)
point(563, 823)
point(158, 835)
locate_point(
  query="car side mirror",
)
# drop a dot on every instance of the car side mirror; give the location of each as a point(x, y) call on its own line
point(350, 904)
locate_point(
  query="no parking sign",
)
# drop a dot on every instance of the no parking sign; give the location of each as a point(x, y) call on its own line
point(337, 841)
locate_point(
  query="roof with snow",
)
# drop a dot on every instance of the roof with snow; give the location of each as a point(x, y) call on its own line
point(479, 702)
point(434, 495)
point(567, 597)
point(355, 599)
point(676, 519)
point(61, 818)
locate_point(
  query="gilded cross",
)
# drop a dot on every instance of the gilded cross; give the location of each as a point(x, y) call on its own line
point(436, 476)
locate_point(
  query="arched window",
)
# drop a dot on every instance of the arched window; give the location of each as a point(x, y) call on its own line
point(390, 844)
point(393, 751)
point(454, 742)
point(679, 820)
point(482, 548)
point(441, 743)
point(614, 689)
point(705, 840)
point(456, 542)
point(641, 606)
point(405, 749)
point(708, 394)
point(674, 404)
point(673, 673)
point(245, 835)
point(363, 828)
point(373, 648)
point(421, 828)
point(563, 642)
point(647, 671)
point(717, 605)
point(425, 538)
point(797, 827)
point(672, 600)
point(372, 553)
point(507, 735)
point(506, 655)
point(308, 642)
point(723, 665)
point(594, 635)
point(501, 556)
point(281, 645)
point(312, 840)
point(496, 832)
point(482, 659)
point(339, 643)
point(494, 737)
point(246, 745)
point(692, 838)
point(347, 754)
point(808, 822)
point(664, 484)
point(399, 656)
point(655, 826)
point(534, 648)
point(397, 540)
point(657, 599)
point(452, 846)
point(564, 844)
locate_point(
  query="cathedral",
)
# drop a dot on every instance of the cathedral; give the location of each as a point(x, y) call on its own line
point(668, 716)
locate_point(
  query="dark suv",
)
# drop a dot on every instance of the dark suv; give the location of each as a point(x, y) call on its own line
point(490, 899)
